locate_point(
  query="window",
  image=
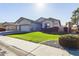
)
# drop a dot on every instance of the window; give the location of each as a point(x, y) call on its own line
point(47, 25)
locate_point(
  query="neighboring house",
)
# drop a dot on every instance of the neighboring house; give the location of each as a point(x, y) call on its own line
point(27, 25)
point(1, 25)
point(9, 26)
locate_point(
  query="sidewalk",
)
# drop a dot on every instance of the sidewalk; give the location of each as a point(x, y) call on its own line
point(34, 48)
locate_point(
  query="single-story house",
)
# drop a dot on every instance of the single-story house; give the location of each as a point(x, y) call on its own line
point(9, 26)
point(27, 25)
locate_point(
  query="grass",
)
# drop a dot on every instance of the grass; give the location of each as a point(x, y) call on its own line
point(36, 36)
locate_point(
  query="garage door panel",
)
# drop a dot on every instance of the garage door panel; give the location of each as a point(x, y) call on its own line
point(25, 28)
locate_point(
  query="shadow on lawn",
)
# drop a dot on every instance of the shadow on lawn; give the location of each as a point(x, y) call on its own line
point(55, 33)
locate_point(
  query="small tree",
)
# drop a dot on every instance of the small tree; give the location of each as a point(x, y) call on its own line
point(75, 16)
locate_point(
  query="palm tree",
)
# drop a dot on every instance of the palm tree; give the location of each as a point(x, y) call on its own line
point(75, 16)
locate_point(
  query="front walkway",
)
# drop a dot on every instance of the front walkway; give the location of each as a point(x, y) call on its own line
point(33, 49)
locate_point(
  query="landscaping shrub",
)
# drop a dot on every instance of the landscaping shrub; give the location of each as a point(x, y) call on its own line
point(51, 30)
point(55, 29)
point(69, 41)
point(65, 29)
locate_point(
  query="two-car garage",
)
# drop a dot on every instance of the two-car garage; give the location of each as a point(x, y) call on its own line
point(24, 25)
point(24, 28)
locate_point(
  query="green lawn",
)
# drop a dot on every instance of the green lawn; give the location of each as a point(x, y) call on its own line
point(36, 36)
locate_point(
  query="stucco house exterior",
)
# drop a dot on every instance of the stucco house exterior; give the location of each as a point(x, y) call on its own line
point(27, 25)
point(49, 22)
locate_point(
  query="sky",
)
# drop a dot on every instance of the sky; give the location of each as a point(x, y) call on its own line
point(10, 12)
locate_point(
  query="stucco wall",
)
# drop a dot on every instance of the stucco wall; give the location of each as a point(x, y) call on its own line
point(47, 22)
point(56, 24)
point(24, 21)
point(51, 23)
point(36, 27)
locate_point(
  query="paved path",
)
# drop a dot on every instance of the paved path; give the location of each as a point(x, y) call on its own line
point(5, 52)
point(33, 48)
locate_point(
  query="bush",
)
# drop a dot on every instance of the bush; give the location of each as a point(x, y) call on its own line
point(55, 29)
point(51, 30)
point(69, 41)
point(65, 29)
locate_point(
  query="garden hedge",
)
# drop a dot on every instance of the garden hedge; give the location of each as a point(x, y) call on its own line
point(69, 41)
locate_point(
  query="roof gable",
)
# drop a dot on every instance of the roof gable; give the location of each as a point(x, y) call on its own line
point(8, 23)
point(22, 18)
point(40, 19)
point(43, 19)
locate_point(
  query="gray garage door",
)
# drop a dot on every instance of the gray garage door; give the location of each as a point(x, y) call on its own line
point(25, 28)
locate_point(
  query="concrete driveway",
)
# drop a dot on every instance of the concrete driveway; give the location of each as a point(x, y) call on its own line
point(9, 32)
point(31, 49)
